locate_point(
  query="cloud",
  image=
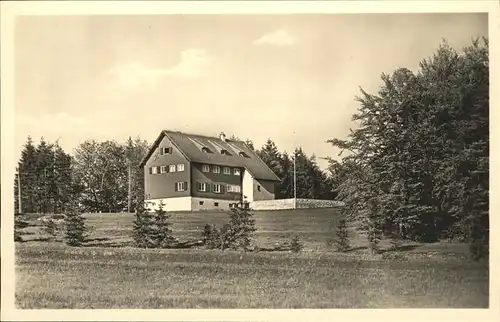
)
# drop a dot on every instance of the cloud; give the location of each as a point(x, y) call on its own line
point(192, 62)
point(277, 38)
point(134, 75)
point(137, 75)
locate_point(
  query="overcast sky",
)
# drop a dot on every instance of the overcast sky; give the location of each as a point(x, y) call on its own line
point(255, 76)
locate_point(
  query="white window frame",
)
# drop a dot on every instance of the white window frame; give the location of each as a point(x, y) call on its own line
point(205, 168)
point(226, 170)
point(202, 186)
point(218, 186)
point(163, 169)
point(236, 171)
point(154, 170)
point(216, 169)
point(181, 186)
point(233, 188)
point(180, 167)
point(171, 168)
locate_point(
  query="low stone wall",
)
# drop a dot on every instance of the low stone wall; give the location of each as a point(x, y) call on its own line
point(279, 204)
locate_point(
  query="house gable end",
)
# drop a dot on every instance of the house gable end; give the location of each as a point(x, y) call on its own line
point(155, 145)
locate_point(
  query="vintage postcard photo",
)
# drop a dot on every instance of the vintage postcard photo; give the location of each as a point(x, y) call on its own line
point(248, 160)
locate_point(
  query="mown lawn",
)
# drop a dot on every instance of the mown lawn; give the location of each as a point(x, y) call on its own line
point(51, 275)
point(313, 226)
point(108, 273)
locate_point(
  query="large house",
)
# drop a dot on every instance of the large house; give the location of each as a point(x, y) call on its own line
point(193, 172)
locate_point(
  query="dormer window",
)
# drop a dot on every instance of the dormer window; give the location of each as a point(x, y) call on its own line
point(236, 171)
point(225, 152)
point(206, 150)
point(243, 154)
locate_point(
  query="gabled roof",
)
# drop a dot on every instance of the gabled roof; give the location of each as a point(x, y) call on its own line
point(194, 148)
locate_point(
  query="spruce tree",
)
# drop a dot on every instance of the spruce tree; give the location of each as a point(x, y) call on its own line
point(143, 230)
point(162, 234)
point(75, 227)
point(28, 172)
point(238, 233)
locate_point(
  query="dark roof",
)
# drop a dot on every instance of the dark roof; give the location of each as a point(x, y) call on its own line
point(240, 155)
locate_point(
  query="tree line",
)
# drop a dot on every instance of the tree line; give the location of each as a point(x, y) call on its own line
point(417, 166)
point(98, 174)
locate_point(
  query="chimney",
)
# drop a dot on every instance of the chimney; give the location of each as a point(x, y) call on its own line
point(222, 136)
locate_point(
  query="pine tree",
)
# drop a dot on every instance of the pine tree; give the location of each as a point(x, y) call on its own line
point(75, 228)
point(285, 187)
point(162, 234)
point(238, 233)
point(44, 177)
point(27, 170)
point(62, 178)
point(143, 230)
point(272, 158)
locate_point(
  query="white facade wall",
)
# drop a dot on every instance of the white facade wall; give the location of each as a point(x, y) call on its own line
point(210, 204)
point(247, 186)
point(171, 204)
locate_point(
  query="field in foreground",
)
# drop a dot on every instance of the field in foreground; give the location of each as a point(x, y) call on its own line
point(108, 273)
point(50, 275)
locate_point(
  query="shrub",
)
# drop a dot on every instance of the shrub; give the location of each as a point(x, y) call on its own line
point(213, 240)
point(374, 236)
point(296, 244)
point(76, 229)
point(207, 233)
point(342, 236)
point(18, 224)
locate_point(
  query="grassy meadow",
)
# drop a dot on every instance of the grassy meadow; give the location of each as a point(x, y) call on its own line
point(109, 273)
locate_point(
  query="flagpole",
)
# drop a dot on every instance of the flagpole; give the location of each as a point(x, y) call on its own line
point(294, 172)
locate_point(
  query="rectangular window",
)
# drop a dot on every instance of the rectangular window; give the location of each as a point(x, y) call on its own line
point(216, 169)
point(236, 172)
point(181, 186)
point(165, 150)
point(216, 204)
point(216, 188)
point(171, 168)
point(227, 170)
point(258, 188)
point(201, 203)
point(180, 167)
point(163, 169)
point(233, 188)
point(202, 186)
point(154, 170)
point(205, 168)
